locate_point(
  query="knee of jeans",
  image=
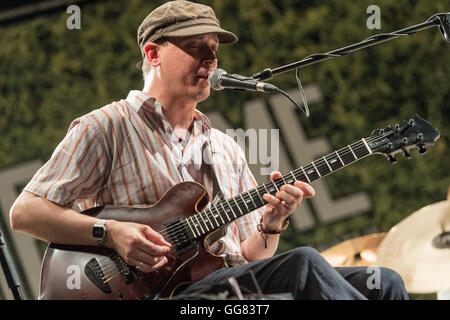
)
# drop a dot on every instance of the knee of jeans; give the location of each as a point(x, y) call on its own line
point(307, 253)
point(392, 282)
point(390, 276)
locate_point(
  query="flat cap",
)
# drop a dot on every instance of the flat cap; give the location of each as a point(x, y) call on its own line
point(180, 19)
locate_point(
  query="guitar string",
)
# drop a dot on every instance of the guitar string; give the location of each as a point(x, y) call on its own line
point(111, 275)
point(110, 265)
point(320, 163)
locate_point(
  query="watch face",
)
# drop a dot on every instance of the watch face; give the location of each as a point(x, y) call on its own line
point(98, 232)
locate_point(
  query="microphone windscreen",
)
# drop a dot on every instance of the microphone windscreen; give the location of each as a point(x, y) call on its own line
point(214, 79)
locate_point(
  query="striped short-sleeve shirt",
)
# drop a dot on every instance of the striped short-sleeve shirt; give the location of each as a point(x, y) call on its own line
point(126, 153)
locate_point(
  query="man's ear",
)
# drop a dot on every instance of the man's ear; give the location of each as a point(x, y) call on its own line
point(152, 53)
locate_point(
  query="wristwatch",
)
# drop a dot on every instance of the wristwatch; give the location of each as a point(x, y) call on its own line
point(99, 232)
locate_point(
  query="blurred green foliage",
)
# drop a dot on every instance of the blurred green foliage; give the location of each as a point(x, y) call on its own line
point(49, 75)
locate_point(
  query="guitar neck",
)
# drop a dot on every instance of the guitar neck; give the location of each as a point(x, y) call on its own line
point(231, 209)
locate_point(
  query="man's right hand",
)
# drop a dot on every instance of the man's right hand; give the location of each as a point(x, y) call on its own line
point(138, 244)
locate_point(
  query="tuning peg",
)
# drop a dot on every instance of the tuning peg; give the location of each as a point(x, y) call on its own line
point(376, 132)
point(419, 137)
point(389, 147)
point(407, 155)
point(405, 141)
point(392, 159)
point(411, 122)
point(422, 150)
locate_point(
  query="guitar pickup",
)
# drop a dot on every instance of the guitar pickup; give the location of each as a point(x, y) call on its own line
point(122, 266)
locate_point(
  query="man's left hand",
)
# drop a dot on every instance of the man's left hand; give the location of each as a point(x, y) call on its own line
point(285, 201)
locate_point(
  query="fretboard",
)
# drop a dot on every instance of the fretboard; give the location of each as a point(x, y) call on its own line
point(231, 209)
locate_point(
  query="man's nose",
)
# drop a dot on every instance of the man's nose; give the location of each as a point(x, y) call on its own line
point(209, 58)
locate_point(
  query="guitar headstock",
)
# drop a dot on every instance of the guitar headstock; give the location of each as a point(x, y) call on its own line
point(410, 134)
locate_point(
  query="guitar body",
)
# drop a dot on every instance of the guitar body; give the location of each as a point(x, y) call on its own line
point(97, 273)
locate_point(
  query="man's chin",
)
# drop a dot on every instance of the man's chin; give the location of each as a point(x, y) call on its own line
point(201, 95)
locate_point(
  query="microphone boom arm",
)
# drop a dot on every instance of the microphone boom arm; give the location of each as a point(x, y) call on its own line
point(440, 19)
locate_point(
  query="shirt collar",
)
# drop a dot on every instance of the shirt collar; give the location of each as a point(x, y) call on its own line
point(140, 100)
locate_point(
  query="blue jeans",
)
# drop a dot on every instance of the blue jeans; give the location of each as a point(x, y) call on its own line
point(305, 274)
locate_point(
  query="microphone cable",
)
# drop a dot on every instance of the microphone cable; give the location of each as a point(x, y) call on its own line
point(304, 109)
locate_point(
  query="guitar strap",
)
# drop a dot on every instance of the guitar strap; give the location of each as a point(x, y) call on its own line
point(217, 191)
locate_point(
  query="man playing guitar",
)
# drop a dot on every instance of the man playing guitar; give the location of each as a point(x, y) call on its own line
point(131, 152)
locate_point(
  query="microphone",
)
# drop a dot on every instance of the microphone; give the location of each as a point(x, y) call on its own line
point(219, 79)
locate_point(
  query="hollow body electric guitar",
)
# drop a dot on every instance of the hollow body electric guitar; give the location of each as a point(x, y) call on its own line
point(183, 218)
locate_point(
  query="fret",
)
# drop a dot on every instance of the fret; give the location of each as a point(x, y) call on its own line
point(217, 223)
point(284, 181)
point(232, 211)
point(195, 216)
point(238, 208)
point(316, 169)
point(343, 164)
point(366, 145)
point(323, 169)
point(346, 156)
point(240, 195)
point(329, 167)
point(360, 149)
point(187, 221)
point(257, 192)
point(304, 172)
point(193, 223)
point(220, 216)
point(202, 218)
point(251, 198)
point(205, 215)
point(209, 219)
point(223, 208)
point(356, 158)
point(312, 172)
point(226, 212)
point(273, 182)
point(292, 174)
point(334, 162)
point(264, 185)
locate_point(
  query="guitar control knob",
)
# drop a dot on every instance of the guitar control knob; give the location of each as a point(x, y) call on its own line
point(392, 159)
point(422, 150)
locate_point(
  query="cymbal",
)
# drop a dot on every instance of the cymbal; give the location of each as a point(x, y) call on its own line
point(360, 251)
point(418, 248)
